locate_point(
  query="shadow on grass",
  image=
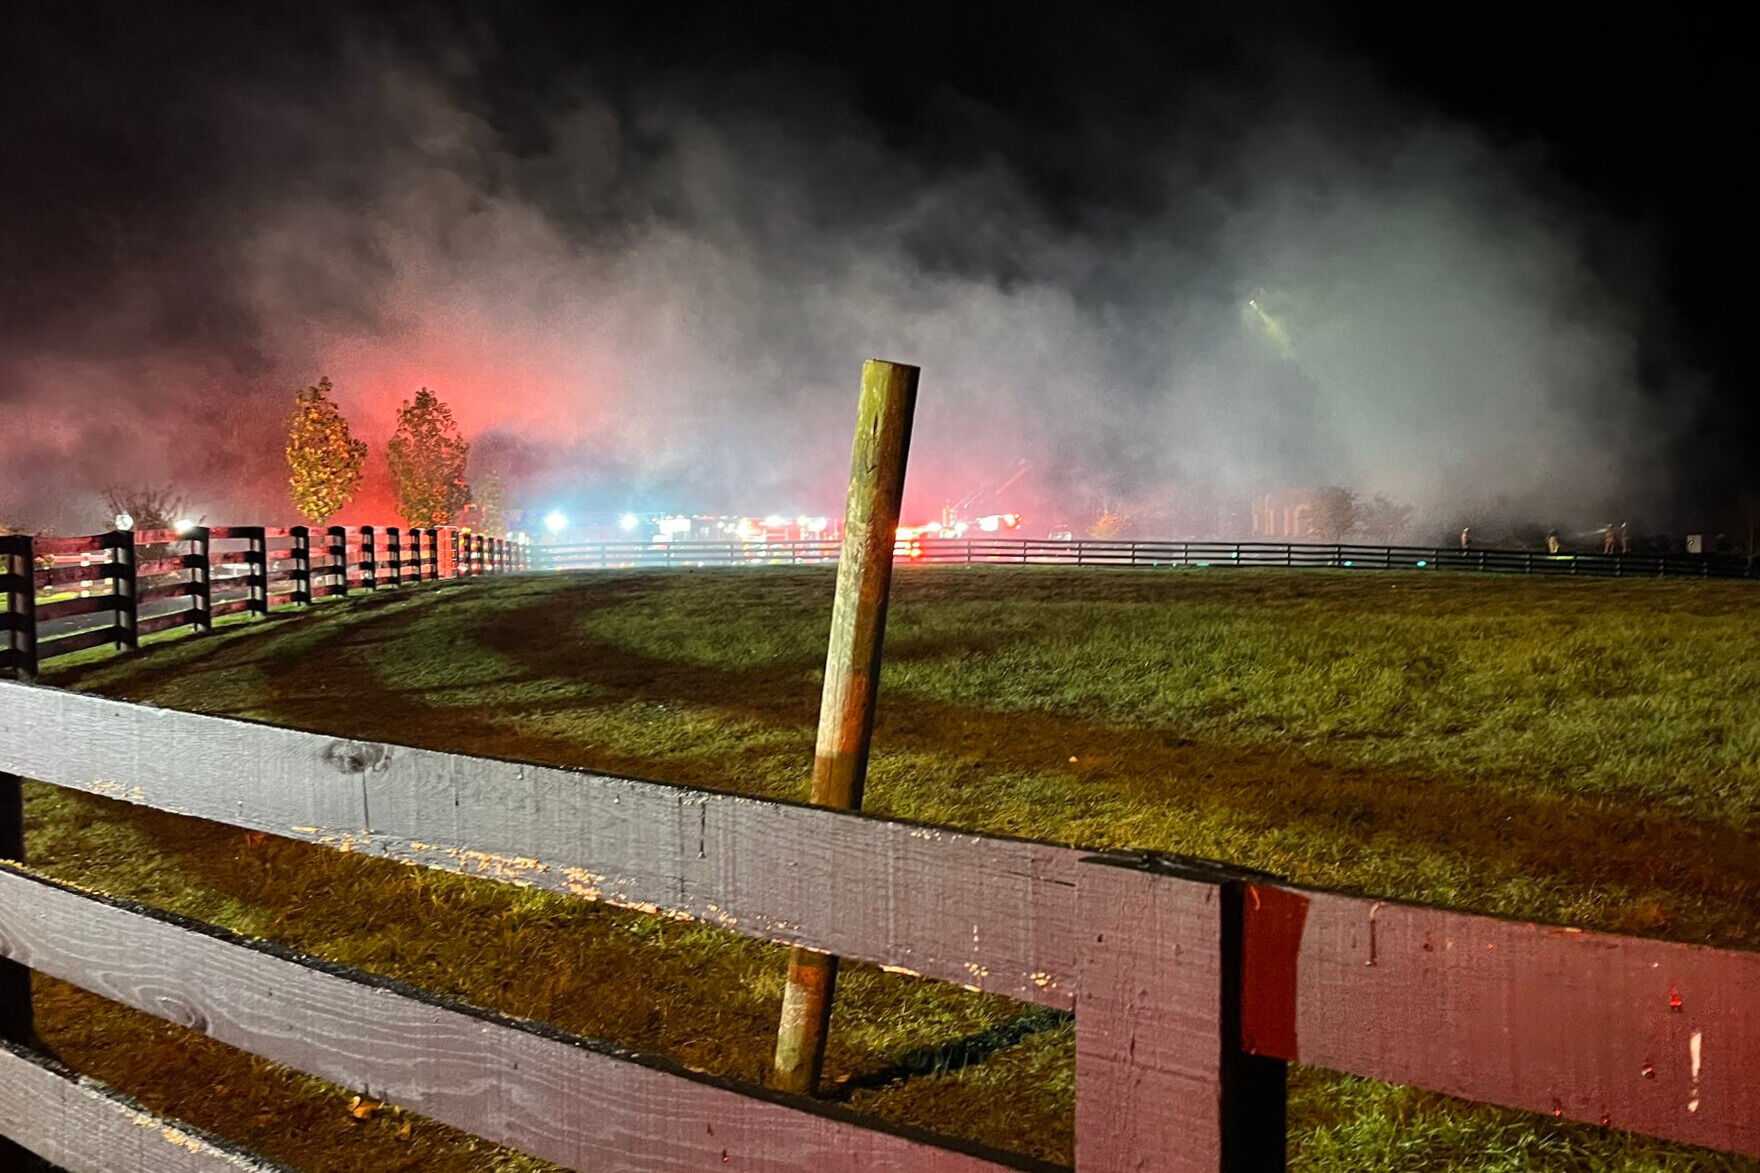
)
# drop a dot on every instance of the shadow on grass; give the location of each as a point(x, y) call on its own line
point(953, 1056)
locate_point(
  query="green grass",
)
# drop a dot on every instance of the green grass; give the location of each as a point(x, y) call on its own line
point(1577, 751)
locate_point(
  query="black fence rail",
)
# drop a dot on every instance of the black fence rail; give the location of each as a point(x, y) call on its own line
point(65, 595)
point(1017, 551)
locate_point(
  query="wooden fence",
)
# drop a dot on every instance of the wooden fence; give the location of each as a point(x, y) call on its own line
point(1192, 984)
point(1018, 551)
point(64, 595)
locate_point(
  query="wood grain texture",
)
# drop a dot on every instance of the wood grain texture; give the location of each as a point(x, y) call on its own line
point(1160, 1082)
point(75, 545)
point(62, 608)
point(156, 623)
point(1650, 1036)
point(583, 1105)
point(68, 644)
point(95, 574)
point(81, 1126)
point(996, 914)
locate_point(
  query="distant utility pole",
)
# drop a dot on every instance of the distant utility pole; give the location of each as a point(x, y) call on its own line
point(852, 679)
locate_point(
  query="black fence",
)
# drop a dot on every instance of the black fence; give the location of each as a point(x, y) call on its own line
point(1018, 551)
point(65, 595)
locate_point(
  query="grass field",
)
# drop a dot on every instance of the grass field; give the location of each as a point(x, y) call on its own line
point(1578, 751)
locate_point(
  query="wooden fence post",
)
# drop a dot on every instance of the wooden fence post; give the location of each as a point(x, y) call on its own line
point(123, 587)
point(197, 566)
point(394, 554)
point(257, 559)
point(301, 574)
point(18, 565)
point(338, 568)
point(17, 1023)
point(415, 550)
point(1161, 1080)
point(852, 678)
point(369, 561)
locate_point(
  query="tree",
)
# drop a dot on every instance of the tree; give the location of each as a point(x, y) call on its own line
point(490, 500)
point(1385, 519)
point(325, 460)
point(1335, 513)
point(149, 508)
point(427, 457)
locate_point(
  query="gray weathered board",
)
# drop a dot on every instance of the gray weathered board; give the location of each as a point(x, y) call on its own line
point(1649, 1036)
point(1511, 1013)
point(582, 1105)
point(995, 914)
point(81, 1126)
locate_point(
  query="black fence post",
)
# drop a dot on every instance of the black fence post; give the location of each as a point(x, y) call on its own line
point(433, 553)
point(198, 567)
point(394, 554)
point(369, 565)
point(337, 571)
point(17, 1023)
point(123, 588)
point(1162, 1079)
point(415, 551)
point(18, 574)
point(301, 574)
point(257, 560)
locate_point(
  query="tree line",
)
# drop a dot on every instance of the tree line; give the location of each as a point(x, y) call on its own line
point(426, 454)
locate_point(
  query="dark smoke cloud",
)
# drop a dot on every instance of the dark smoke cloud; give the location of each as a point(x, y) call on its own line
point(651, 287)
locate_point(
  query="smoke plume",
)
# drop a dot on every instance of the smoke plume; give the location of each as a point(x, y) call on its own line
point(654, 290)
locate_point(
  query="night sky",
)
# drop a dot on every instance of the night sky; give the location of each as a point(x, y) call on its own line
point(643, 251)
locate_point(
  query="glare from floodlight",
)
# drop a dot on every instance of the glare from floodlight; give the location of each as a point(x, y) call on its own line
point(183, 525)
point(555, 522)
point(628, 522)
point(124, 521)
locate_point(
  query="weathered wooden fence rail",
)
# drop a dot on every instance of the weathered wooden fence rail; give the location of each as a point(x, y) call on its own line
point(1192, 983)
point(64, 595)
point(1017, 551)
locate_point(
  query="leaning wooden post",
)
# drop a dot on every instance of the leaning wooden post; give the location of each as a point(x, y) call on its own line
point(852, 679)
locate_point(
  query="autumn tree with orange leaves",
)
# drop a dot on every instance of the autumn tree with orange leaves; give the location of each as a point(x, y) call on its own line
point(427, 457)
point(325, 460)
